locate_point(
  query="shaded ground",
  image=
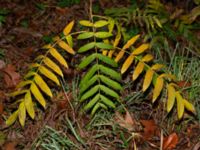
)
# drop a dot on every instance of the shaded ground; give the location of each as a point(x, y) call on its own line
point(29, 25)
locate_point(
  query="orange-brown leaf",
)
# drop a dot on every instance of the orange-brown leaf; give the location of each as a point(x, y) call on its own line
point(127, 63)
point(170, 142)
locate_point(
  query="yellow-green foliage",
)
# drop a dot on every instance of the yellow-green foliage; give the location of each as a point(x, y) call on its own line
point(34, 86)
point(100, 86)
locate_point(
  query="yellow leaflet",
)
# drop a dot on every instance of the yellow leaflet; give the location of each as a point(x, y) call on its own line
point(158, 88)
point(110, 53)
point(157, 67)
point(188, 106)
point(180, 105)
point(42, 85)
point(22, 113)
point(130, 42)
point(12, 118)
point(169, 76)
point(147, 79)
point(147, 58)
point(58, 57)
point(68, 28)
point(29, 105)
point(138, 70)
point(119, 55)
point(171, 97)
point(29, 74)
point(117, 39)
point(13, 94)
point(127, 63)
point(43, 70)
point(23, 83)
point(37, 94)
point(104, 52)
point(53, 66)
point(66, 47)
point(140, 49)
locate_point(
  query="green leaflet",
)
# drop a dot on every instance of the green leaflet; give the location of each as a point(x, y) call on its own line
point(86, 61)
point(89, 74)
point(103, 106)
point(103, 34)
point(109, 91)
point(106, 101)
point(104, 45)
point(86, 47)
point(100, 23)
point(86, 23)
point(110, 72)
point(107, 60)
point(85, 35)
point(89, 83)
point(92, 102)
point(70, 40)
point(89, 93)
point(95, 108)
point(110, 82)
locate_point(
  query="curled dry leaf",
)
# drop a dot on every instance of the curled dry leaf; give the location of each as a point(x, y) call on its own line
point(170, 142)
point(11, 77)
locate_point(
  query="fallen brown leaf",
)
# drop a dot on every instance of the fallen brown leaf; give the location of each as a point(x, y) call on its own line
point(125, 122)
point(10, 146)
point(11, 77)
point(150, 129)
point(170, 142)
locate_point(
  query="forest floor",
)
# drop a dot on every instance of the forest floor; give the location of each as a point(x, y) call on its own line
point(28, 25)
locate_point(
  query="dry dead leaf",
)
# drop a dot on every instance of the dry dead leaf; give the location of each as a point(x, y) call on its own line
point(11, 77)
point(170, 142)
point(10, 146)
point(125, 122)
point(150, 129)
